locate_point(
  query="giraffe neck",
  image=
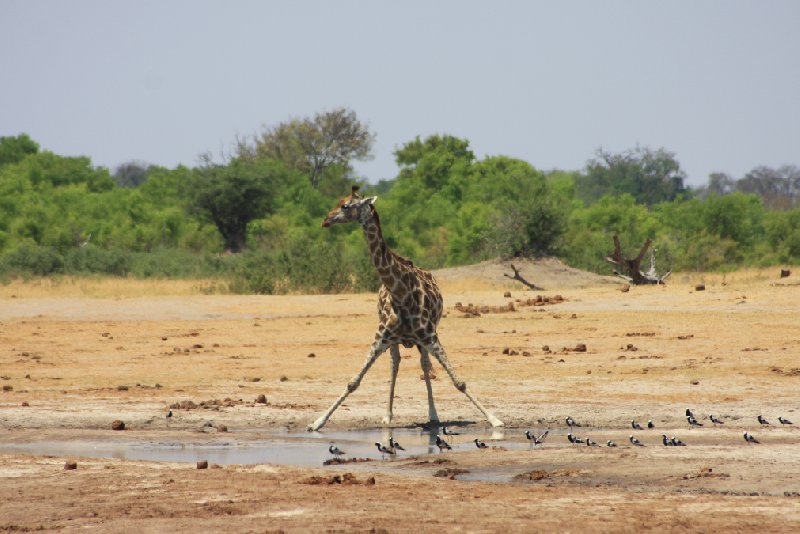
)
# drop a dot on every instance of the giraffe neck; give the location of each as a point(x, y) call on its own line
point(389, 265)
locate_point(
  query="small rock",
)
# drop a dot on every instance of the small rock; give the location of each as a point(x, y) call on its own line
point(69, 465)
point(222, 428)
point(8, 388)
point(255, 379)
point(312, 355)
point(122, 388)
point(546, 348)
point(506, 350)
point(580, 347)
point(700, 287)
point(283, 378)
point(785, 273)
point(202, 464)
point(25, 403)
point(261, 399)
point(695, 382)
point(507, 294)
point(117, 425)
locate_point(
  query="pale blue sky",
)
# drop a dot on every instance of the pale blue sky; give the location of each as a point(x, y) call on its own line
point(716, 82)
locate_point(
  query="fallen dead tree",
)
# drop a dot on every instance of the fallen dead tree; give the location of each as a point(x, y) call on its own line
point(518, 277)
point(629, 268)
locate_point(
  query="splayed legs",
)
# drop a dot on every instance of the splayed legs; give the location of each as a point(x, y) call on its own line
point(378, 347)
point(436, 349)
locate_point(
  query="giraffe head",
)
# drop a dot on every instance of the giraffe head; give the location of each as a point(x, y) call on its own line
point(352, 208)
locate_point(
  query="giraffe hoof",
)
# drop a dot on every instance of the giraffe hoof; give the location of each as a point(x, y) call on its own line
point(495, 422)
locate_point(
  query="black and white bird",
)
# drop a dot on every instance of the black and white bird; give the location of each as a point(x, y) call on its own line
point(530, 437)
point(611, 443)
point(650, 424)
point(762, 421)
point(784, 421)
point(635, 441)
point(750, 438)
point(479, 443)
point(336, 451)
point(689, 413)
point(571, 438)
point(590, 443)
point(693, 421)
point(571, 422)
point(577, 440)
point(716, 420)
point(447, 432)
point(442, 444)
point(678, 443)
point(394, 445)
point(169, 417)
point(665, 440)
point(544, 434)
point(383, 449)
point(635, 425)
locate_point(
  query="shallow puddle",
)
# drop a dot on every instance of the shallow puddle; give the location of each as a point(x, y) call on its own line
point(302, 449)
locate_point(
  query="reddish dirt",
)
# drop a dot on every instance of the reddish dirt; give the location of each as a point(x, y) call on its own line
point(732, 350)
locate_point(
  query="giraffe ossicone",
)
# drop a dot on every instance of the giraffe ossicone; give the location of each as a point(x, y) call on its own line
point(409, 309)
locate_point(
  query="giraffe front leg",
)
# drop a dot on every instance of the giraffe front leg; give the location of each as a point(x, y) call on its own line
point(425, 362)
point(395, 352)
point(435, 348)
point(378, 346)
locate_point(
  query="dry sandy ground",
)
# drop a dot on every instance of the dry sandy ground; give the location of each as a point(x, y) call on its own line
point(70, 365)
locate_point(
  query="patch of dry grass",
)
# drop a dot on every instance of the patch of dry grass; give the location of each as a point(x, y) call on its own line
point(109, 287)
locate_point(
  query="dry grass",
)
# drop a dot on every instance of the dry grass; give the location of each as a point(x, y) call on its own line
point(109, 287)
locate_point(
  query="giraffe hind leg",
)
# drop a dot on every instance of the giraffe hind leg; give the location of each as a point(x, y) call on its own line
point(435, 348)
point(378, 347)
point(395, 352)
point(425, 362)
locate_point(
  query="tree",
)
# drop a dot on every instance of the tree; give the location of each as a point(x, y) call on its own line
point(14, 149)
point(778, 188)
point(311, 145)
point(649, 176)
point(232, 195)
point(131, 174)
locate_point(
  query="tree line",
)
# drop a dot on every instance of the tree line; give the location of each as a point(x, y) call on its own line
point(252, 216)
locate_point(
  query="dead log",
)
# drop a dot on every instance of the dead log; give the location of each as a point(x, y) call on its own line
point(519, 278)
point(631, 267)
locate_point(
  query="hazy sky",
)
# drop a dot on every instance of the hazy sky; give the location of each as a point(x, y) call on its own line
point(716, 82)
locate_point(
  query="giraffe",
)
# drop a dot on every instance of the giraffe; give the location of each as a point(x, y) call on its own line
point(409, 309)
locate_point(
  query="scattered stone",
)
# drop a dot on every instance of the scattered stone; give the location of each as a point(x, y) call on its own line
point(25, 403)
point(222, 428)
point(695, 382)
point(117, 425)
point(261, 399)
point(346, 479)
point(255, 379)
point(507, 294)
point(450, 473)
point(122, 388)
point(202, 464)
point(506, 350)
point(283, 378)
point(339, 461)
point(312, 355)
point(700, 287)
point(69, 465)
point(8, 388)
point(546, 349)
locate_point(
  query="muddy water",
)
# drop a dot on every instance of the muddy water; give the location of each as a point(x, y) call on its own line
point(301, 449)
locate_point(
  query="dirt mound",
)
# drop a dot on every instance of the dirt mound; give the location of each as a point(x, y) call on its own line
point(549, 273)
